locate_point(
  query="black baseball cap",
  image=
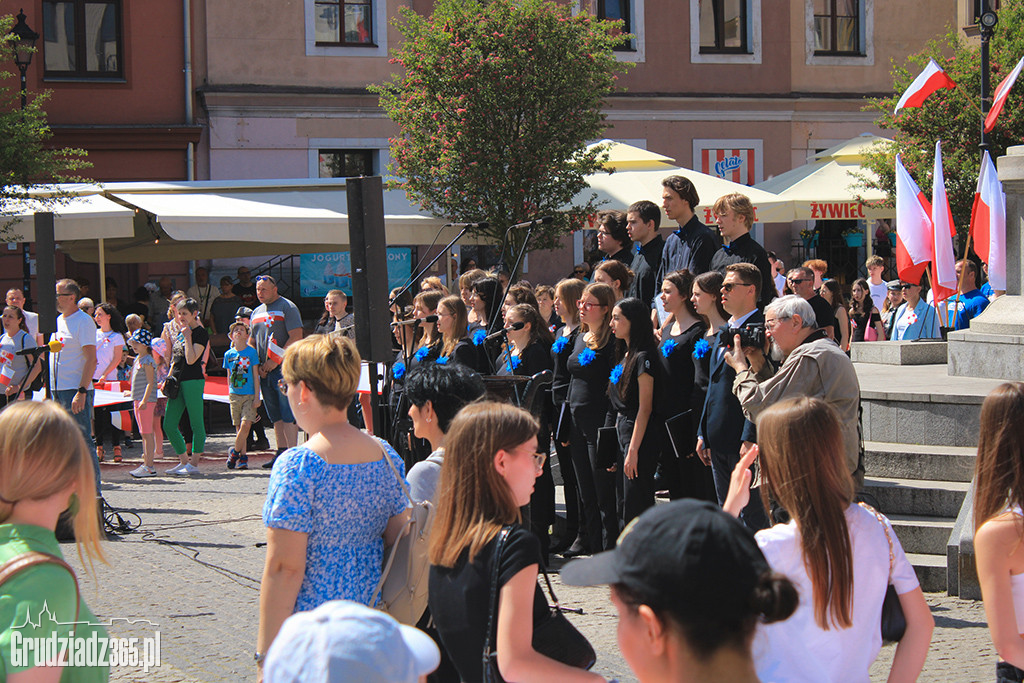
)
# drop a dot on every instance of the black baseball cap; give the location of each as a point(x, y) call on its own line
point(688, 556)
point(243, 312)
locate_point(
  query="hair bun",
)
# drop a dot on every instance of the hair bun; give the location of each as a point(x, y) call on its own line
point(775, 597)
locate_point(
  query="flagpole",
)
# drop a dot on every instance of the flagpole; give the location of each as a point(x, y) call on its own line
point(941, 310)
point(960, 280)
point(971, 100)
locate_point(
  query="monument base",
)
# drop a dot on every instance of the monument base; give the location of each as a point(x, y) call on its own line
point(993, 346)
point(932, 352)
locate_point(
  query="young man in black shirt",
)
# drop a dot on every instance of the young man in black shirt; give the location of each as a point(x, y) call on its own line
point(692, 245)
point(613, 238)
point(734, 215)
point(642, 220)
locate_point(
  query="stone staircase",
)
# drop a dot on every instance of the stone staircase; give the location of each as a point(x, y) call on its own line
point(921, 434)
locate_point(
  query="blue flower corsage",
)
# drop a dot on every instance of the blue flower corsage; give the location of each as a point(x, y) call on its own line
point(668, 346)
point(442, 360)
point(560, 344)
point(586, 357)
point(616, 374)
point(423, 352)
point(479, 336)
point(514, 362)
point(398, 370)
point(701, 348)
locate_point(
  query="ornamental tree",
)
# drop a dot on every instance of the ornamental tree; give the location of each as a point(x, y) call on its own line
point(495, 104)
point(952, 116)
point(25, 159)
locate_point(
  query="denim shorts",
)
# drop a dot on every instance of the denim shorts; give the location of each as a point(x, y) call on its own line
point(274, 401)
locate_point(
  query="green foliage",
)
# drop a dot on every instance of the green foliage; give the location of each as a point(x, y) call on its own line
point(952, 116)
point(495, 105)
point(25, 159)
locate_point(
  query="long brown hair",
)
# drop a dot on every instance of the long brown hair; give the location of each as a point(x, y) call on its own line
point(569, 291)
point(475, 501)
point(711, 283)
point(605, 296)
point(429, 299)
point(42, 452)
point(999, 467)
point(456, 307)
point(538, 326)
point(802, 456)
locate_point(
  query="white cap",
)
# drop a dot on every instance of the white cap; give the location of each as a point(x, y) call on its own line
point(345, 642)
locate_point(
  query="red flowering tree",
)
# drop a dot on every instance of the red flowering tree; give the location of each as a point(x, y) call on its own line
point(495, 105)
point(950, 116)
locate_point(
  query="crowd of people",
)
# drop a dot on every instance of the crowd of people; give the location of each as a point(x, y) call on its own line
point(693, 367)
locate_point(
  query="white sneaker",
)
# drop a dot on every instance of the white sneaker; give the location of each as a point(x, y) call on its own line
point(143, 471)
point(189, 469)
point(177, 468)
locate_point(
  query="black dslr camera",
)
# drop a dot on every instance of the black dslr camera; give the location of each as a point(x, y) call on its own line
point(751, 336)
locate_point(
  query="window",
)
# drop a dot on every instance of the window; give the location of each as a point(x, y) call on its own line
point(82, 39)
point(723, 26)
point(618, 9)
point(344, 22)
point(837, 27)
point(345, 163)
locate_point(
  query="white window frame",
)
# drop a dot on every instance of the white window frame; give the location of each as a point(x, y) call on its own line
point(379, 145)
point(753, 34)
point(380, 35)
point(867, 39)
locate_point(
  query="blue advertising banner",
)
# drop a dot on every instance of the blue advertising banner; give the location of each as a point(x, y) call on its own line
point(320, 273)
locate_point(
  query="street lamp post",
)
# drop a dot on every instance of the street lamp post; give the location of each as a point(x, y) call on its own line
point(24, 48)
point(987, 21)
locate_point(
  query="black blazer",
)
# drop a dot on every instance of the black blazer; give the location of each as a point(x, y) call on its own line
point(722, 424)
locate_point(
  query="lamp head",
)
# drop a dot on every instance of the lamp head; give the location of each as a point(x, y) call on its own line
point(24, 46)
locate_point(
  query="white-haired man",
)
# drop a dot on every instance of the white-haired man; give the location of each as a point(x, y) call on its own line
point(814, 366)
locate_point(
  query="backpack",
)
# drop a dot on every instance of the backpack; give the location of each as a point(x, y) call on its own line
point(404, 577)
point(31, 558)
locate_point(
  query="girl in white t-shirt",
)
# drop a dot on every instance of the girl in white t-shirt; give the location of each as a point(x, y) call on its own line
point(999, 520)
point(835, 551)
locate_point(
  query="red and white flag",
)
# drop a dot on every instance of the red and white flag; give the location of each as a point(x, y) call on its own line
point(988, 223)
point(914, 243)
point(274, 352)
point(121, 419)
point(6, 375)
point(944, 265)
point(933, 78)
point(999, 98)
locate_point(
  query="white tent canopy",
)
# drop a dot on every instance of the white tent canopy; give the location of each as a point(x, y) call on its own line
point(85, 215)
point(828, 189)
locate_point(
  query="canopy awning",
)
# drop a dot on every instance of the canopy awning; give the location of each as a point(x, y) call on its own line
point(829, 188)
point(623, 157)
point(88, 215)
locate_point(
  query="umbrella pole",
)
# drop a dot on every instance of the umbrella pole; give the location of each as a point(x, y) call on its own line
point(103, 270)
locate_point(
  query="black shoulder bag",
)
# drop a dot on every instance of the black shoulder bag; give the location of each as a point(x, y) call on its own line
point(554, 637)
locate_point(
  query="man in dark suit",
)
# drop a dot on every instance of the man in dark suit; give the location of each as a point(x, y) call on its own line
point(724, 433)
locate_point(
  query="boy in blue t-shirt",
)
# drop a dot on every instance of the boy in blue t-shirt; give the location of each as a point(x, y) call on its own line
point(241, 362)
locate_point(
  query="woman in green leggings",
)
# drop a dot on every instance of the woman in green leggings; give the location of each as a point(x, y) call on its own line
point(187, 354)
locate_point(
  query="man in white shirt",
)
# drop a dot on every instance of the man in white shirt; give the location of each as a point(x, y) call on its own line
point(72, 367)
point(16, 298)
point(204, 294)
point(878, 287)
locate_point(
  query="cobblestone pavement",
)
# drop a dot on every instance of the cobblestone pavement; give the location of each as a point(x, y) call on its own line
point(193, 568)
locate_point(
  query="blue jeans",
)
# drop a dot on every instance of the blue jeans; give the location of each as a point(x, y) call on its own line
point(84, 419)
point(274, 402)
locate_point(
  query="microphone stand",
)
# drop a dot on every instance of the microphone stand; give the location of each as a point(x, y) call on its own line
point(423, 270)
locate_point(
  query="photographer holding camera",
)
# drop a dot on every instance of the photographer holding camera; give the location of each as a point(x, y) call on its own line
point(724, 434)
point(814, 366)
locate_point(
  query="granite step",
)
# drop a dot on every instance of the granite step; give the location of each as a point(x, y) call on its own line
point(921, 533)
point(914, 461)
point(917, 497)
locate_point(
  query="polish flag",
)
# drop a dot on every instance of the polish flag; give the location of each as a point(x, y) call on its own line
point(928, 81)
point(121, 419)
point(944, 265)
point(988, 223)
point(6, 375)
point(274, 352)
point(999, 99)
point(914, 242)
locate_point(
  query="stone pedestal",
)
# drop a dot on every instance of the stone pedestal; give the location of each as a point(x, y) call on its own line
point(993, 345)
point(923, 352)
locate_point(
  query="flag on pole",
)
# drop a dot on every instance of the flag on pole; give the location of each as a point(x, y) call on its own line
point(121, 419)
point(914, 243)
point(988, 223)
point(999, 98)
point(944, 264)
point(274, 352)
point(933, 78)
point(6, 375)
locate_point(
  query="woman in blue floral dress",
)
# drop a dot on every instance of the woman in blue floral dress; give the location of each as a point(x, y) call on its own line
point(333, 503)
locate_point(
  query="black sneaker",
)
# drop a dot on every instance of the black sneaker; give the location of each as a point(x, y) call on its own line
point(270, 463)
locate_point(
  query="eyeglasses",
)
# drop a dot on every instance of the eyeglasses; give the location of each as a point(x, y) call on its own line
point(579, 271)
point(283, 386)
point(770, 322)
point(907, 286)
point(59, 294)
point(797, 280)
point(539, 459)
point(603, 232)
point(587, 305)
point(261, 278)
point(727, 287)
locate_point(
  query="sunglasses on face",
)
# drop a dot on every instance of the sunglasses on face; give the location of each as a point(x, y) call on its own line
point(261, 278)
point(798, 280)
point(727, 287)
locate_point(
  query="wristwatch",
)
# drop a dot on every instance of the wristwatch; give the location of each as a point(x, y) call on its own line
point(258, 657)
point(81, 390)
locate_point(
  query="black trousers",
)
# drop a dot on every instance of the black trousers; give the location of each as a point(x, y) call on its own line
point(1008, 673)
point(570, 490)
point(597, 485)
point(753, 514)
point(637, 494)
